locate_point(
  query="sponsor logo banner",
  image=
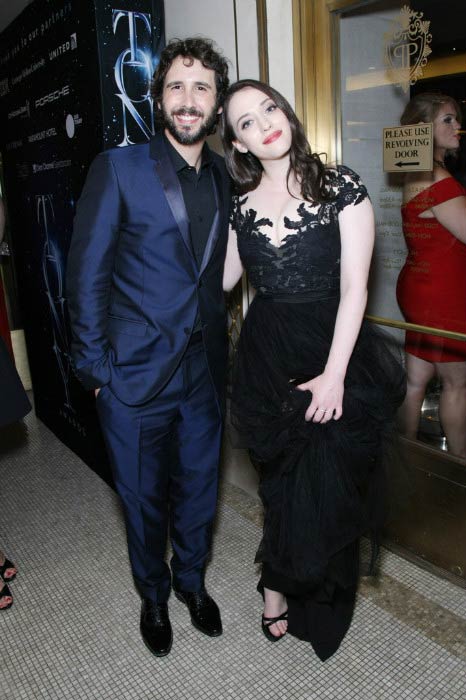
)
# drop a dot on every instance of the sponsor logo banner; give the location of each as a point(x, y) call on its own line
point(13, 145)
point(52, 96)
point(54, 165)
point(22, 111)
point(74, 79)
point(26, 72)
point(70, 45)
point(41, 135)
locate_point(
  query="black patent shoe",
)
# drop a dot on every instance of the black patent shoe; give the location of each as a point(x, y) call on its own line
point(268, 622)
point(204, 611)
point(156, 630)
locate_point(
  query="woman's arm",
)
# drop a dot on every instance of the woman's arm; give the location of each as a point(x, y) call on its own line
point(451, 214)
point(233, 266)
point(357, 242)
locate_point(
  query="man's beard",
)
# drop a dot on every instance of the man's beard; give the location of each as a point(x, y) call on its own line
point(186, 136)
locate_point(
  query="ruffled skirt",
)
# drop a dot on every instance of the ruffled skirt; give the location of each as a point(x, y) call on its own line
point(322, 486)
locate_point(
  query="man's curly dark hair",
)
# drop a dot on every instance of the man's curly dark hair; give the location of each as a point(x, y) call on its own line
point(194, 48)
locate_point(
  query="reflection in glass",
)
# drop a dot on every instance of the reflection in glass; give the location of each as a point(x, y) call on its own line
point(431, 288)
point(372, 98)
point(430, 428)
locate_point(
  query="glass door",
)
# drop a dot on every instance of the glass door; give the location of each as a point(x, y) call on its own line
point(358, 67)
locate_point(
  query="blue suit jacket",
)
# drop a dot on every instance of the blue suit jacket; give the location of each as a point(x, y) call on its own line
point(134, 288)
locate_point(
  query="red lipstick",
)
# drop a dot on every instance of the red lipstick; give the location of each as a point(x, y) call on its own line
point(273, 137)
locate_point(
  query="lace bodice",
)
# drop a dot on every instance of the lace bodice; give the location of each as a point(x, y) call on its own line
point(308, 259)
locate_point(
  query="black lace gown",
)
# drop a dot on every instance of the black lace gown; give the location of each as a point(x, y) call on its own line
point(321, 485)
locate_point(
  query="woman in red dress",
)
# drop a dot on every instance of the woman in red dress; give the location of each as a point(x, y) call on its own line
point(431, 288)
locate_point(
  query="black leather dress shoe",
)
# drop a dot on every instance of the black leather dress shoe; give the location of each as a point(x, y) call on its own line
point(204, 611)
point(156, 630)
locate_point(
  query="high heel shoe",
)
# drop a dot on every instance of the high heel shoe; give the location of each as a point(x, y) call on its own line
point(7, 564)
point(6, 593)
point(268, 622)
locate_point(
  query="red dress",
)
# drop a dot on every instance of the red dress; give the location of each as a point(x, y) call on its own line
point(431, 288)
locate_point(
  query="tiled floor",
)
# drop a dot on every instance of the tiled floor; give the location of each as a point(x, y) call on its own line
point(73, 630)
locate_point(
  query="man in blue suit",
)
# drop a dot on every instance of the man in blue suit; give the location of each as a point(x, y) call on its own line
point(149, 327)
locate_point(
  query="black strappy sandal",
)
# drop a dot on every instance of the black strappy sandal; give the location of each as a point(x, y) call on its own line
point(7, 564)
point(268, 622)
point(6, 593)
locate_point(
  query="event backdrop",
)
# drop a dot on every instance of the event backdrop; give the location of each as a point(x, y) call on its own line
point(74, 80)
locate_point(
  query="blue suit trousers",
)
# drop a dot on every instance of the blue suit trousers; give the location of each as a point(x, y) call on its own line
point(164, 456)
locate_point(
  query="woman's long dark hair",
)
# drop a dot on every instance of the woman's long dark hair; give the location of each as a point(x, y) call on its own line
point(246, 170)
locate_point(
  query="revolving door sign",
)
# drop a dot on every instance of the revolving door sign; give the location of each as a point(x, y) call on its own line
point(407, 148)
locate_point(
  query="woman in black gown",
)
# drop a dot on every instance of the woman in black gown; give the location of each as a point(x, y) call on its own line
point(314, 387)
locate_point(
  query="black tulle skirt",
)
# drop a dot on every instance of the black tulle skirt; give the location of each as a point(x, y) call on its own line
point(322, 486)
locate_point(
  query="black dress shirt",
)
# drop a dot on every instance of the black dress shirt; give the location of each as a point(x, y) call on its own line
point(199, 199)
point(198, 195)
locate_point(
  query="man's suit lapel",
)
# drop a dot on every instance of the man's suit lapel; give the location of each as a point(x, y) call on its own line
point(216, 224)
point(171, 186)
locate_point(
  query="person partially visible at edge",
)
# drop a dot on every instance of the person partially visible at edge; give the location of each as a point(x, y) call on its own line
point(4, 325)
point(148, 317)
point(431, 288)
point(14, 405)
point(314, 387)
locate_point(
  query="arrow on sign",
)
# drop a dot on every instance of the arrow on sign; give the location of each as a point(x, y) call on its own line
point(400, 163)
